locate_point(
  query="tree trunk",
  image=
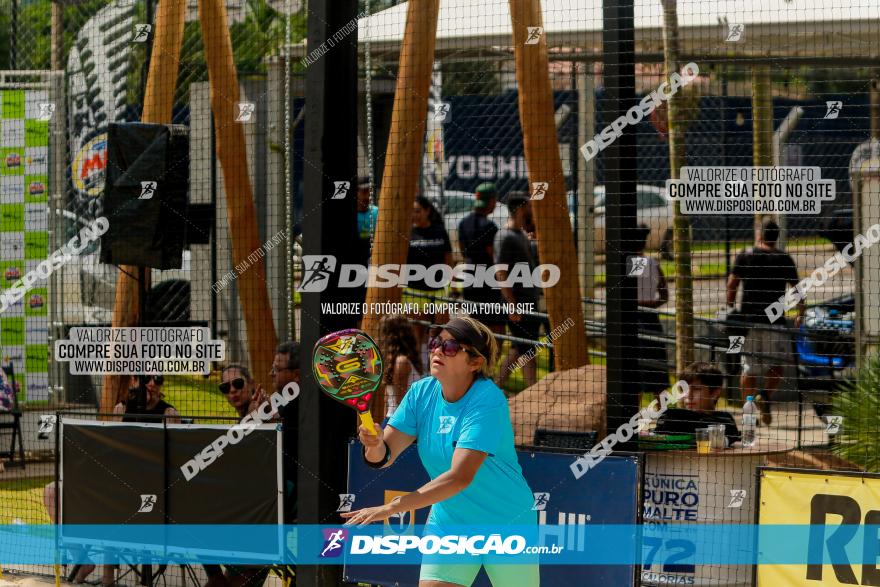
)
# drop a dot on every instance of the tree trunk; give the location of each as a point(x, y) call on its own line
point(681, 226)
point(158, 103)
point(762, 122)
point(555, 239)
point(403, 159)
point(232, 155)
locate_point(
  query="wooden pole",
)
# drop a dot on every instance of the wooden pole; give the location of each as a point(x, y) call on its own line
point(555, 240)
point(158, 103)
point(232, 154)
point(681, 226)
point(762, 122)
point(400, 179)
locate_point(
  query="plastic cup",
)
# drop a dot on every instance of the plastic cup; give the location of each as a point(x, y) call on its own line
point(704, 444)
point(716, 436)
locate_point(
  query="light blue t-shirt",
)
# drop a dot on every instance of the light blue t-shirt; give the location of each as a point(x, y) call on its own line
point(479, 421)
point(366, 222)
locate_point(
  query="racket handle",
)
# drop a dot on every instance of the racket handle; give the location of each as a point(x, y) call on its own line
point(367, 421)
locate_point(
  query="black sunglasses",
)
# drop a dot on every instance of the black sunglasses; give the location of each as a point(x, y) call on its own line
point(450, 347)
point(157, 379)
point(237, 383)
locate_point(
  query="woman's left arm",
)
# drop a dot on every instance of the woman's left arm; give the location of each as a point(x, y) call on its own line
point(465, 464)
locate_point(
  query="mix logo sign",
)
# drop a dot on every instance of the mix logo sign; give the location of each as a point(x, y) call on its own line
point(317, 270)
point(735, 32)
point(46, 425)
point(735, 344)
point(334, 542)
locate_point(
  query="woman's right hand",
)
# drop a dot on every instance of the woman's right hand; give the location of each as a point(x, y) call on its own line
point(374, 444)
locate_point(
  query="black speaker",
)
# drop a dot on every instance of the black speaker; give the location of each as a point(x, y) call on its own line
point(145, 195)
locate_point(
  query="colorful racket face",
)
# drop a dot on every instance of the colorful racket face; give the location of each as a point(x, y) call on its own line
point(348, 367)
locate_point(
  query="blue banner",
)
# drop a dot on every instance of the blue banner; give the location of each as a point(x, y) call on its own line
point(568, 509)
point(396, 556)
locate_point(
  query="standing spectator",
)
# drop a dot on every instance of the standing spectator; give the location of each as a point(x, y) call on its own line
point(764, 272)
point(401, 353)
point(476, 237)
point(428, 245)
point(367, 214)
point(512, 246)
point(653, 293)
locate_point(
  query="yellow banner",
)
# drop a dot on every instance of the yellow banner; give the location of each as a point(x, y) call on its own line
point(818, 498)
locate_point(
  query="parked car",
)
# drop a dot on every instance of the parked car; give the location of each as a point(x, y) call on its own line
point(653, 209)
point(825, 346)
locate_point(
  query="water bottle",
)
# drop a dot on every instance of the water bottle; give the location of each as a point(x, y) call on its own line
point(749, 422)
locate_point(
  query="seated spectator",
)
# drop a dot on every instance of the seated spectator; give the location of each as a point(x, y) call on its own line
point(705, 381)
point(154, 408)
point(237, 384)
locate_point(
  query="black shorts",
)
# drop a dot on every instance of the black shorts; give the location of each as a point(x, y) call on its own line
point(528, 327)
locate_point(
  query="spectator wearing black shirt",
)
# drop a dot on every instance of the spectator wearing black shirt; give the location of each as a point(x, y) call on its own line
point(429, 245)
point(704, 382)
point(476, 237)
point(764, 272)
point(512, 246)
point(153, 408)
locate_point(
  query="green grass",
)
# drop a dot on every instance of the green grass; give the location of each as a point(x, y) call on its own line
point(22, 500)
point(197, 396)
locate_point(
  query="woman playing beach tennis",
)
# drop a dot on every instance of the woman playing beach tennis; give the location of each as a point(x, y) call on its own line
point(465, 442)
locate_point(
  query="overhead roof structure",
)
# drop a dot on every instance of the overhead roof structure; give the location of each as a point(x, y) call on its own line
point(840, 30)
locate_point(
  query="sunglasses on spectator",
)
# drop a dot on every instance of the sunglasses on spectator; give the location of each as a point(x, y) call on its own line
point(237, 384)
point(157, 379)
point(449, 347)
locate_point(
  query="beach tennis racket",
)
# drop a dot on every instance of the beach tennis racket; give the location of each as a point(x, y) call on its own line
point(348, 367)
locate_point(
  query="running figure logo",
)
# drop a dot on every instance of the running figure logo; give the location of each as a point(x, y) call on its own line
point(47, 425)
point(147, 503)
point(340, 190)
point(539, 190)
point(441, 111)
point(317, 270)
point(245, 111)
point(737, 496)
point(541, 501)
point(47, 109)
point(142, 32)
point(148, 190)
point(735, 344)
point(833, 109)
point(446, 424)
point(734, 32)
point(333, 542)
point(535, 33)
point(833, 424)
point(346, 500)
point(637, 266)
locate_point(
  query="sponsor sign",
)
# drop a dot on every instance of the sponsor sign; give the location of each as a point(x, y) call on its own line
point(24, 235)
point(839, 509)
